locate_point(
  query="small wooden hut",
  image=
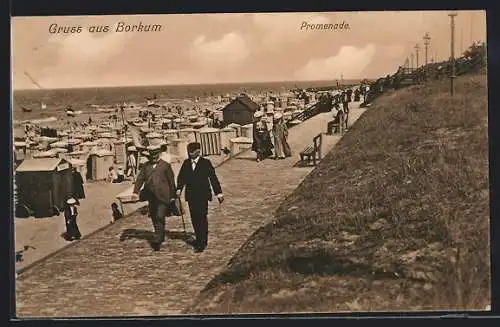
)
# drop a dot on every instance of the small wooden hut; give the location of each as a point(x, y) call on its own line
point(98, 164)
point(240, 111)
point(43, 186)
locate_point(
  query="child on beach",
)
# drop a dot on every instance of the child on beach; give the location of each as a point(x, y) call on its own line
point(116, 213)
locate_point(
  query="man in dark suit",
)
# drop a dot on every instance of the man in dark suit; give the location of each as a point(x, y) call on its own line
point(197, 174)
point(159, 190)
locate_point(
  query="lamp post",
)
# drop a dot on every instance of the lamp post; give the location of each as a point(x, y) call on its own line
point(452, 57)
point(427, 40)
point(417, 50)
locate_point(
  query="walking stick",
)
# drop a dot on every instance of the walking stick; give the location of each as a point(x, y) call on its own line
point(181, 210)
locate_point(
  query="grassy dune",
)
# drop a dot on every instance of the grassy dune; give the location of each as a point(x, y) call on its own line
point(395, 218)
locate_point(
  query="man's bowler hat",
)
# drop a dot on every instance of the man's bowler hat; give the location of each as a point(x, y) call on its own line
point(193, 146)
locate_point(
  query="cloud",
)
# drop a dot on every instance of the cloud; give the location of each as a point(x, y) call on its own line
point(89, 48)
point(350, 62)
point(84, 50)
point(276, 29)
point(391, 51)
point(230, 49)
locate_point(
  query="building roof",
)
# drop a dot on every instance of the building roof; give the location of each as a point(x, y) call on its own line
point(101, 152)
point(246, 102)
point(39, 164)
point(77, 162)
point(19, 133)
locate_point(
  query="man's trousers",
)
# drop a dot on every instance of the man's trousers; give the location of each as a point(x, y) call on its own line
point(199, 210)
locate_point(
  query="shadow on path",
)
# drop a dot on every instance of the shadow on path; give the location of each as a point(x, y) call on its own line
point(305, 164)
point(253, 159)
point(146, 235)
point(66, 237)
point(245, 158)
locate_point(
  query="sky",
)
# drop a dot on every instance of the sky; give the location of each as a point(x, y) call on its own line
point(225, 48)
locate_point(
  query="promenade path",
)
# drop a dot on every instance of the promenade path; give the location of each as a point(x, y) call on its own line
point(115, 273)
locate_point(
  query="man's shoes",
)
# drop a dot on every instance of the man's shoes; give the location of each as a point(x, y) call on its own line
point(155, 246)
point(199, 248)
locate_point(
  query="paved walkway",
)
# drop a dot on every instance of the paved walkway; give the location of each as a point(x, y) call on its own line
point(115, 272)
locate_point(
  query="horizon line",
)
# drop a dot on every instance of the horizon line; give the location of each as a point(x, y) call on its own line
point(193, 84)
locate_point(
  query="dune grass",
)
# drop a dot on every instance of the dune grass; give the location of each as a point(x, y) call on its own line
point(395, 218)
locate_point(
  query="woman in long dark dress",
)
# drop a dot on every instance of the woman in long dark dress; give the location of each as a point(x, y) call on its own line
point(70, 215)
point(261, 138)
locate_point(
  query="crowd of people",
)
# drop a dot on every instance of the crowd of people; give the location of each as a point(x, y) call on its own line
point(270, 136)
point(340, 107)
point(270, 132)
point(197, 175)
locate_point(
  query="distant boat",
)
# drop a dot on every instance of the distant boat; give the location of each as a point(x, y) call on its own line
point(43, 106)
point(26, 109)
point(151, 103)
point(107, 110)
point(72, 113)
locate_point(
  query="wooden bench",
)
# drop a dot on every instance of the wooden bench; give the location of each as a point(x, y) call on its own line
point(333, 126)
point(312, 152)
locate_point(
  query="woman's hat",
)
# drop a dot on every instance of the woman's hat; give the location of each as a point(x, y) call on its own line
point(278, 115)
point(71, 201)
point(154, 148)
point(258, 114)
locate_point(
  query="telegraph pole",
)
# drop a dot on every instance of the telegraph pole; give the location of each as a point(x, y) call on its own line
point(411, 61)
point(417, 50)
point(452, 58)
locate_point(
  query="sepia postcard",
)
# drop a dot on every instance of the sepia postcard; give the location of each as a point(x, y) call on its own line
point(271, 163)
